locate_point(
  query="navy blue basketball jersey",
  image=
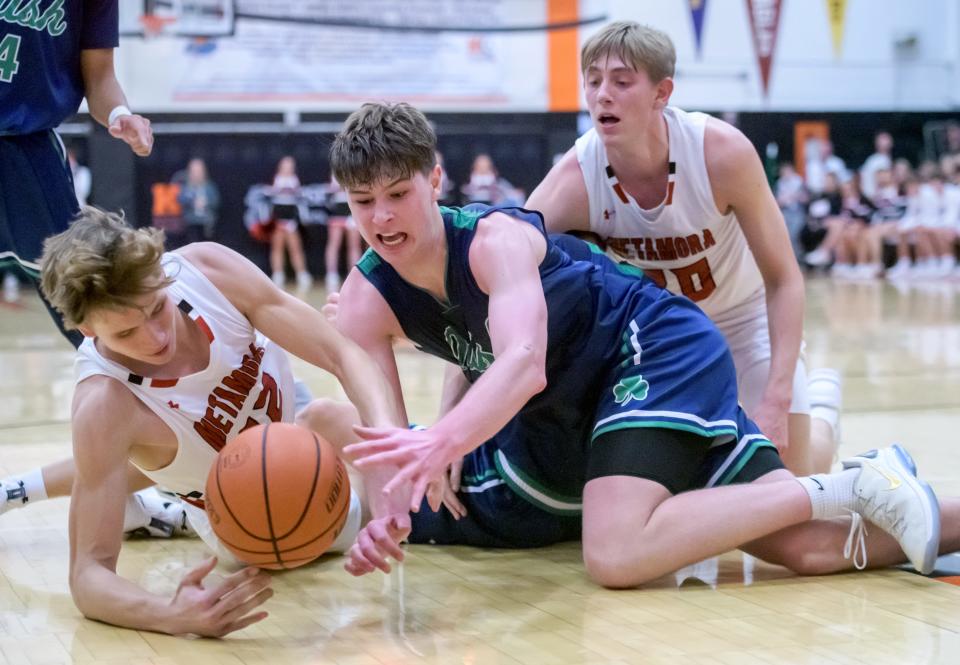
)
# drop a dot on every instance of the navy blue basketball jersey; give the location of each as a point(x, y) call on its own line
point(542, 450)
point(40, 43)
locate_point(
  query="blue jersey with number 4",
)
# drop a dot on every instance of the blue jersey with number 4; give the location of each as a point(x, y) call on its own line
point(40, 43)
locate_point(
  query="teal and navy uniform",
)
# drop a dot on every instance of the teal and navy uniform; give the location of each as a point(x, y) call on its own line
point(40, 86)
point(622, 354)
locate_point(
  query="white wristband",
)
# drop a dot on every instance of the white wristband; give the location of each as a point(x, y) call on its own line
point(117, 112)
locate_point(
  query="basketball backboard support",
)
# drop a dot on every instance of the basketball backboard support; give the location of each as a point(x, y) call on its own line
point(180, 18)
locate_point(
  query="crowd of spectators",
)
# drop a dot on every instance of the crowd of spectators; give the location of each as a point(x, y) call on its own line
point(886, 218)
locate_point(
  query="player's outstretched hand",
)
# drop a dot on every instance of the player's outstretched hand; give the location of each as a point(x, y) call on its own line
point(135, 131)
point(419, 454)
point(772, 421)
point(219, 609)
point(376, 541)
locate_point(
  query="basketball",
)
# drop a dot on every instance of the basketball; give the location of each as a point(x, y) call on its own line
point(278, 496)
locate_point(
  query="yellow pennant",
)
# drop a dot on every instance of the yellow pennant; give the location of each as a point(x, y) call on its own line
point(837, 11)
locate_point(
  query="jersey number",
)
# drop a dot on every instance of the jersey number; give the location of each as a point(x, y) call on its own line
point(9, 47)
point(696, 280)
point(270, 400)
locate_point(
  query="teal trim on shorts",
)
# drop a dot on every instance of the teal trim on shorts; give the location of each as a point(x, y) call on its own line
point(666, 424)
point(534, 492)
point(748, 454)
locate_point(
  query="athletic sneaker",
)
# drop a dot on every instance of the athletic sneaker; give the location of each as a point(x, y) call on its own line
point(304, 282)
point(888, 494)
point(166, 514)
point(11, 496)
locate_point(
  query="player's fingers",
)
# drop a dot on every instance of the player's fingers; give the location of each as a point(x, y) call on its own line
point(240, 624)
point(372, 555)
point(196, 574)
point(244, 592)
point(399, 458)
point(453, 504)
point(234, 612)
point(416, 498)
point(456, 469)
point(231, 582)
point(116, 130)
point(368, 433)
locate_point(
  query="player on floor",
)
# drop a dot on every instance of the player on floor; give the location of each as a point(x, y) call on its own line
point(175, 362)
point(584, 390)
point(684, 197)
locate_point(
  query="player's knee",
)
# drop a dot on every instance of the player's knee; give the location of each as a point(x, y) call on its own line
point(607, 566)
point(324, 415)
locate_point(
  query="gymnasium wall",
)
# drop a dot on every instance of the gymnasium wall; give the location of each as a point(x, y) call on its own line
point(823, 55)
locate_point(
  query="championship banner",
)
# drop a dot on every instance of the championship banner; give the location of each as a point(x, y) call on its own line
point(697, 9)
point(837, 12)
point(764, 22)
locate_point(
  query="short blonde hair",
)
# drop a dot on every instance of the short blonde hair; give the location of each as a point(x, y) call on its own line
point(639, 46)
point(100, 262)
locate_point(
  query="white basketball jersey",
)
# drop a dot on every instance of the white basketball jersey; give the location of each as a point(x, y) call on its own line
point(248, 381)
point(685, 243)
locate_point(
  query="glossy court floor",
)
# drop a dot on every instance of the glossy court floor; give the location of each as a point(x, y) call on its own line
point(899, 351)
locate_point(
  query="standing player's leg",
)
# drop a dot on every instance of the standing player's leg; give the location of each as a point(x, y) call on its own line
point(37, 200)
point(811, 421)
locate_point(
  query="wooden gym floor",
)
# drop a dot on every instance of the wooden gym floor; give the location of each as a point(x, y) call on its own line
point(899, 351)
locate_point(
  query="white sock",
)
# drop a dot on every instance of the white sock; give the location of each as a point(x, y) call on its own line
point(25, 488)
point(831, 494)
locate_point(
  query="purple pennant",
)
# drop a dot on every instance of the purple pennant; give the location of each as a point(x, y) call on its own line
point(697, 9)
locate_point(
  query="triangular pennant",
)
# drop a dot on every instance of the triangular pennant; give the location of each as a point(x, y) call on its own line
point(837, 12)
point(765, 22)
point(697, 9)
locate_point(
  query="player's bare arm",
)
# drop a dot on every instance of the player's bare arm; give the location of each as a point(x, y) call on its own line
point(504, 258)
point(108, 424)
point(300, 329)
point(562, 197)
point(739, 184)
point(104, 94)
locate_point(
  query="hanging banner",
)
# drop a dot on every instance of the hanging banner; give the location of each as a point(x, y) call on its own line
point(764, 22)
point(837, 12)
point(697, 9)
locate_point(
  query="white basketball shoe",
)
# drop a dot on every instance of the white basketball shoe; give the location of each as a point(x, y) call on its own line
point(888, 494)
point(151, 514)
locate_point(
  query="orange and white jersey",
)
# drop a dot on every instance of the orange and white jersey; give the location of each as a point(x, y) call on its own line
point(685, 243)
point(248, 381)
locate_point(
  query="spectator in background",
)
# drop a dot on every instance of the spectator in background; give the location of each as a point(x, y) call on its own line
point(339, 224)
point(953, 140)
point(486, 186)
point(881, 159)
point(286, 238)
point(448, 190)
point(82, 180)
point(792, 198)
point(200, 201)
point(902, 173)
point(822, 207)
point(820, 162)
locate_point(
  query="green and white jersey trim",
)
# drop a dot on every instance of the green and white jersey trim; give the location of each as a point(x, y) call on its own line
point(667, 420)
point(736, 460)
point(534, 492)
point(8, 259)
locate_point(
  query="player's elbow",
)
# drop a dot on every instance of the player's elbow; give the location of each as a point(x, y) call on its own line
point(532, 364)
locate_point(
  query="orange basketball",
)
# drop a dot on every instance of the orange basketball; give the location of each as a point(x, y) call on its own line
point(278, 496)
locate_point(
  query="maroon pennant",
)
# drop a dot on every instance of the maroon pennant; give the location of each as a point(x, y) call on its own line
point(764, 22)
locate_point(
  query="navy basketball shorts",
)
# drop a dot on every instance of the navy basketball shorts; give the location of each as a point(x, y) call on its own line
point(496, 515)
point(669, 412)
point(37, 200)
